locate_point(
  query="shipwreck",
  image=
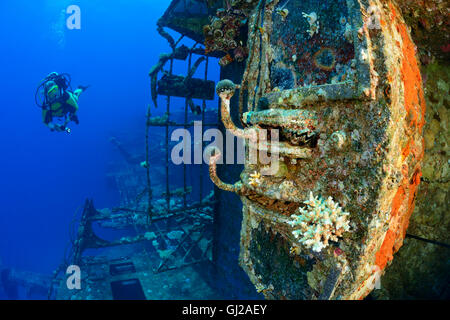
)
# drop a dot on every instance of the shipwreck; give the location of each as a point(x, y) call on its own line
point(360, 142)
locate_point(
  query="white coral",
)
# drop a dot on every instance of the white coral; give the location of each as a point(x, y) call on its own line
point(321, 221)
point(348, 33)
point(255, 179)
point(313, 23)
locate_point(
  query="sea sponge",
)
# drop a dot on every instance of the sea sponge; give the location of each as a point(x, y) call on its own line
point(230, 34)
point(207, 30)
point(225, 86)
point(321, 221)
point(217, 23)
point(225, 60)
point(218, 34)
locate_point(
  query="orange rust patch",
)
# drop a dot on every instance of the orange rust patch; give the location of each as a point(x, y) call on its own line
point(384, 255)
point(386, 252)
point(406, 151)
point(413, 185)
point(414, 104)
point(398, 200)
point(393, 11)
point(412, 81)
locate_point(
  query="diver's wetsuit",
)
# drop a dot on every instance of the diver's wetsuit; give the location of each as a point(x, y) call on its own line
point(65, 107)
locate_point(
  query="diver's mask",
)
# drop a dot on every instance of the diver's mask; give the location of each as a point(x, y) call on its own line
point(52, 91)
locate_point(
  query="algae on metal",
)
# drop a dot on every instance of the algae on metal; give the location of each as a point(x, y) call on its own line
point(367, 154)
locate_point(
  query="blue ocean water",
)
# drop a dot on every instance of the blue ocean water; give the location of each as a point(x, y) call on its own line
point(46, 176)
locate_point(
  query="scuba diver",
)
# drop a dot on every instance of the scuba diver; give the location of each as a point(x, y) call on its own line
point(58, 102)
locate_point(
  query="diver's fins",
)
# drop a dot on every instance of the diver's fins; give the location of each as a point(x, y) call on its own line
point(74, 118)
point(84, 88)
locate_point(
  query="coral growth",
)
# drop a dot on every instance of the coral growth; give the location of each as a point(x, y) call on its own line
point(224, 34)
point(283, 13)
point(313, 23)
point(255, 179)
point(322, 221)
point(226, 60)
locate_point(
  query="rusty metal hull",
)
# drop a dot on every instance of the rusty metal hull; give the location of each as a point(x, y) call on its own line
point(367, 158)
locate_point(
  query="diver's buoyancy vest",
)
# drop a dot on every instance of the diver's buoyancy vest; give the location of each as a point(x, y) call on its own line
point(62, 105)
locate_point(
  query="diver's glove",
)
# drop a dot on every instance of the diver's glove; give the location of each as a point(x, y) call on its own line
point(51, 126)
point(60, 128)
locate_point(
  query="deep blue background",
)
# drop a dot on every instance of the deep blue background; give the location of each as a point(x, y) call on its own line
point(45, 176)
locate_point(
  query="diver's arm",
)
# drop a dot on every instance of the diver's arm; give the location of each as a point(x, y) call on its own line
point(67, 120)
point(47, 119)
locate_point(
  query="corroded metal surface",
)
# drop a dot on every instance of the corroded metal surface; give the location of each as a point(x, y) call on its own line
point(367, 156)
point(421, 269)
point(321, 56)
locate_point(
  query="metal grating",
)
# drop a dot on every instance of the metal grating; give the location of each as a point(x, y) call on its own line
point(168, 124)
point(193, 218)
